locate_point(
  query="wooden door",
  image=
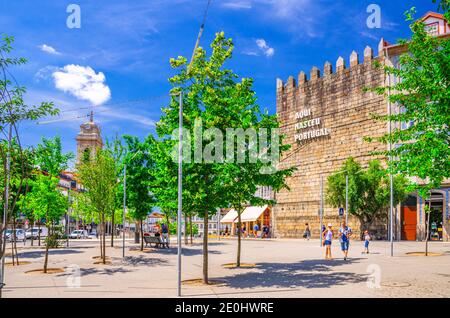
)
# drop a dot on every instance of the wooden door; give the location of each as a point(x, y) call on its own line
point(409, 223)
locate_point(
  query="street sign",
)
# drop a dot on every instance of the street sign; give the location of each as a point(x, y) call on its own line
point(341, 211)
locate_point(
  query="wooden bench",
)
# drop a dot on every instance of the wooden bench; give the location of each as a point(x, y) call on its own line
point(149, 240)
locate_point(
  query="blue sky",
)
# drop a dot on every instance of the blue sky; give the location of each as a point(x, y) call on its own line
point(124, 47)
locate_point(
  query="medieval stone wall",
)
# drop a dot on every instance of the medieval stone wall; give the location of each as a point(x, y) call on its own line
point(340, 116)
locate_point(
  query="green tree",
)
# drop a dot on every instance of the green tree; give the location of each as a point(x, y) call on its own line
point(214, 100)
point(242, 179)
point(422, 148)
point(51, 161)
point(140, 164)
point(117, 151)
point(99, 178)
point(368, 191)
point(48, 204)
point(13, 110)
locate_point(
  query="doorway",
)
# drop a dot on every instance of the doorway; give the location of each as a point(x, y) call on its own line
point(409, 219)
point(436, 216)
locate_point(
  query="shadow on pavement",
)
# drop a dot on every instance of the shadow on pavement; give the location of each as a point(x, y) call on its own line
point(142, 260)
point(186, 251)
point(307, 274)
point(97, 271)
point(37, 254)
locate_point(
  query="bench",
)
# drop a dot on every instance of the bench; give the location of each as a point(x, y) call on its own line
point(149, 240)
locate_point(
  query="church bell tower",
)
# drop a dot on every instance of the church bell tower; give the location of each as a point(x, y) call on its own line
point(88, 140)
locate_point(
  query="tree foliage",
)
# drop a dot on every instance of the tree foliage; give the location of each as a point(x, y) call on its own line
point(368, 190)
point(422, 148)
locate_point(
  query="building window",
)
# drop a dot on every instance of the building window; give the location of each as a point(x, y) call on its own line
point(432, 28)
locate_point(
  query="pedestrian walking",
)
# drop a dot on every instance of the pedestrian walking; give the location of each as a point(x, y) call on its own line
point(327, 236)
point(255, 230)
point(165, 234)
point(345, 233)
point(307, 233)
point(367, 239)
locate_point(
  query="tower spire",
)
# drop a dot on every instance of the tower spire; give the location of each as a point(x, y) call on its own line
point(91, 116)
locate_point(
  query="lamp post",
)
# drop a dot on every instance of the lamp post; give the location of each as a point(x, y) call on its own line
point(180, 186)
point(124, 208)
point(68, 217)
point(321, 208)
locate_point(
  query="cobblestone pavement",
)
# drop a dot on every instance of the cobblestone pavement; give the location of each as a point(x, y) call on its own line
point(285, 268)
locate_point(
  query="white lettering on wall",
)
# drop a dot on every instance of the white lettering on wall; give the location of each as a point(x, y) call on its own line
point(306, 123)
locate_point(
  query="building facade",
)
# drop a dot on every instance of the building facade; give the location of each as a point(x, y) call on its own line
point(325, 118)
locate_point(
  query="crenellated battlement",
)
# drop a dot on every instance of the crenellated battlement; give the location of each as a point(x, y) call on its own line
point(315, 75)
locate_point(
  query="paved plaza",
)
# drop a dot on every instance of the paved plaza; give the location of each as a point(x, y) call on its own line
point(285, 268)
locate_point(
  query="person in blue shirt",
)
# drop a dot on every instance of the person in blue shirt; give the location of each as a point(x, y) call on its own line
point(345, 233)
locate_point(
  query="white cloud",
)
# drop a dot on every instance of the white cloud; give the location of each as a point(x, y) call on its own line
point(265, 48)
point(83, 83)
point(48, 49)
point(237, 5)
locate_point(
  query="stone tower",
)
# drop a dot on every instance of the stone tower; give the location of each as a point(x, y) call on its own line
point(88, 140)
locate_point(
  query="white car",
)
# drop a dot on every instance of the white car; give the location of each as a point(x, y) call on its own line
point(20, 235)
point(34, 233)
point(93, 234)
point(78, 234)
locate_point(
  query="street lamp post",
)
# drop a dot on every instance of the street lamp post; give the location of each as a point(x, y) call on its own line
point(180, 187)
point(346, 199)
point(321, 208)
point(124, 208)
point(68, 217)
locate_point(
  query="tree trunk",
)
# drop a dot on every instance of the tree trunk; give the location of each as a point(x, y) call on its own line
point(427, 226)
point(239, 225)
point(15, 244)
point(32, 227)
point(205, 248)
point(47, 247)
point(104, 240)
point(99, 235)
point(190, 226)
point(39, 234)
point(13, 239)
point(185, 230)
point(112, 230)
point(137, 235)
point(46, 257)
point(142, 235)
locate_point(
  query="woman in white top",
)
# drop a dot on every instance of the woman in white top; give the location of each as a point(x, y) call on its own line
point(327, 236)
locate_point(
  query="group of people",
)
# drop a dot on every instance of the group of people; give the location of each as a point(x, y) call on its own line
point(265, 231)
point(344, 235)
point(162, 231)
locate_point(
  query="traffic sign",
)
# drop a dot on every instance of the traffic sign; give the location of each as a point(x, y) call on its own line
point(341, 211)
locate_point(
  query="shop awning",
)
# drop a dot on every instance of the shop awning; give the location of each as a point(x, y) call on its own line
point(230, 216)
point(156, 215)
point(252, 213)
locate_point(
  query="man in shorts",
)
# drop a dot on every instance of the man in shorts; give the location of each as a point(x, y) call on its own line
point(345, 233)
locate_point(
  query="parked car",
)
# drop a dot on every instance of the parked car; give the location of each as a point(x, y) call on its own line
point(93, 234)
point(78, 234)
point(20, 235)
point(34, 233)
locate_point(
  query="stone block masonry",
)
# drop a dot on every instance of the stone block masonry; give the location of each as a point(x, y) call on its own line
point(325, 120)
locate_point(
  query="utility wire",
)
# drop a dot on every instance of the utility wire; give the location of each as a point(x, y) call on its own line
point(128, 103)
point(202, 27)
